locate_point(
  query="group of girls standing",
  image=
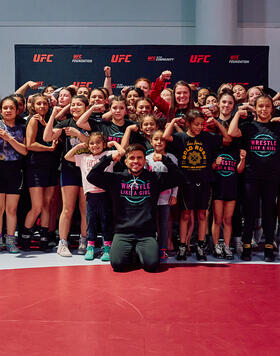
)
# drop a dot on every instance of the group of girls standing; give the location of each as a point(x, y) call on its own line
point(212, 140)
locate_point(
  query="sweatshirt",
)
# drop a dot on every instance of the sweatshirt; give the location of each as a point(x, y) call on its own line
point(135, 198)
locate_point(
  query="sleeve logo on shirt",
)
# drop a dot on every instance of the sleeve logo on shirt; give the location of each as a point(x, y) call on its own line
point(135, 190)
point(263, 145)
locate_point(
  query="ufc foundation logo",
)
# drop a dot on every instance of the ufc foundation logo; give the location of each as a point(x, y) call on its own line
point(83, 84)
point(42, 58)
point(118, 58)
point(200, 58)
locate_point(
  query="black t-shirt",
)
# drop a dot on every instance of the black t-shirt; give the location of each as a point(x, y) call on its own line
point(68, 141)
point(225, 186)
point(261, 141)
point(112, 131)
point(195, 154)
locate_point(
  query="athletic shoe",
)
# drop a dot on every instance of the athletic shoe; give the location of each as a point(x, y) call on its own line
point(106, 254)
point(63, 249)
point(82, 245)
point(238, 246)
point(25, 241)
point(218, 251)
point(201, 251)
point(254, 243)
point(246, 253)
point(227, 252)
point(182, 253)
point(268, 253)
point(11, 244)
point(90, 253)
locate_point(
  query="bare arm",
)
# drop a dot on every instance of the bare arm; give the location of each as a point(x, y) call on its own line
point(50, 133)
point(241, 164)
point(31, 132)
point(226, 137)
point(18, 146)
point(108, 79)
point(233, 129)
point(167, 135)
point(83, 120)
point(23, 89)
point(126, 136)
point(70, 155)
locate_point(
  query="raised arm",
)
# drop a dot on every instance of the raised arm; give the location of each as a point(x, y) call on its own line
point(226, 137)
point(155, 92)
point(83, 119)
point(233, 129)
point(50, 133)
point(31, 133)
point(127, 134)
point(168, 132)
point(70, 155)
point(23, 89)
point(108, 79)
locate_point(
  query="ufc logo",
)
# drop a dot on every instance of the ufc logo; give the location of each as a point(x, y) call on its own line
point(166, 84)
point(42, 58)
point(234, 58)
point(77, 56)
point(197, 84)
point(198, 58)
point(40, 84)
point(151, 58)
point(82, 84)
point(118, 58)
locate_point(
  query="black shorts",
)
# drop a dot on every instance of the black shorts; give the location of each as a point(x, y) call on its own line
point(11, 177)
point(70, 176)
point(41, 177)
point(220, 193)
point(194, 196)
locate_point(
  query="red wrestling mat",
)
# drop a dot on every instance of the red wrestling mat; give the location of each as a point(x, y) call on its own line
point(184, 310)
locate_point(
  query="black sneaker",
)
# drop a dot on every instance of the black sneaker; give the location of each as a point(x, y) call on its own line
point(268, 253)
point(182, 253)
point(25, 240)
point(246, 253)
point(201, 251)
point(218, 251)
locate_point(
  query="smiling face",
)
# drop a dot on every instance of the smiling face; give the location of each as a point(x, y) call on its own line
point(118, 110)
point(77, 108)
point(158, 142)
point(226, 105)
point(97, 97)
point(201, 95)
point(135, 162)
point(264, 109)
point(96, 145)
point(9, 110)
point(196, 126)
point(148, 125)
point(40, 105)
point(182, 96)
point(143, 107)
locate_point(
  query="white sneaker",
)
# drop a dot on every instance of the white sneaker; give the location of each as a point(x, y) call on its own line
point(218, 251)
point(63, 249)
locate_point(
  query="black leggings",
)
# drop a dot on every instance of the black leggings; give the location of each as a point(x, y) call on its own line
point(124, 246)
point(267, 191)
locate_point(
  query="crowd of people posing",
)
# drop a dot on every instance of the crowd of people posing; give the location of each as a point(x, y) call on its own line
point(128, 161)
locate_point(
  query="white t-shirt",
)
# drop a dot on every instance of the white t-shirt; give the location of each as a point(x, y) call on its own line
point(160, 167)
point(86, 161)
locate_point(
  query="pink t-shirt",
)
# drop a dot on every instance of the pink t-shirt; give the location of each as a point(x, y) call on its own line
point(86, 161)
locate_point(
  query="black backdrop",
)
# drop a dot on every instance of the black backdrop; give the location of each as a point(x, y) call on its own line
point(206, 66)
